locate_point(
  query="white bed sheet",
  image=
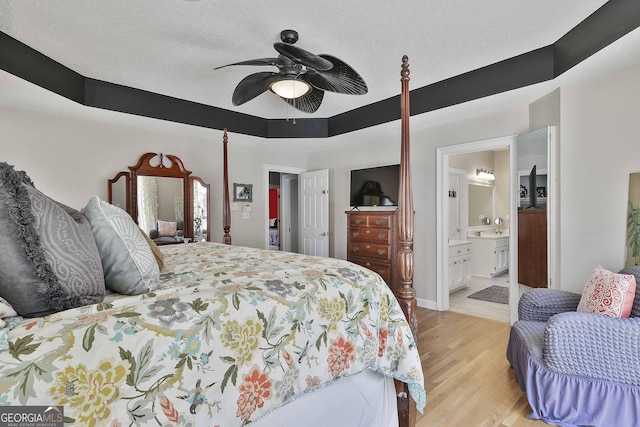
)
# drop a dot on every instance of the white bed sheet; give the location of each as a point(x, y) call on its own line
point(367, 399)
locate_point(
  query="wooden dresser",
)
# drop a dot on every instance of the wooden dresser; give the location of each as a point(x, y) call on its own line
point(532, 248)
point(372, 242)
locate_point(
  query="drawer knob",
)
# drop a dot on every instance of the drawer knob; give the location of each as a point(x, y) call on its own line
point(381, 236)
point(378, 221)
point(355, 234)
point(368, 231)
point(381, 251)
point(368, 264)
point(381, 272)
point(355, 249)
point(358, 221)
point(368, 246)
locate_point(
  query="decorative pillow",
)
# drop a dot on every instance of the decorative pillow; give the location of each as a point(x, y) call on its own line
point(154, 248)
point(49, 259)
point(608, 293)
point(8, 319)
point(167, 228)
point(6, 311)
point(128, 262)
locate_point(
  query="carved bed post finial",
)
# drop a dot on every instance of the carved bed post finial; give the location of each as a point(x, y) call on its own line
point(226, 209)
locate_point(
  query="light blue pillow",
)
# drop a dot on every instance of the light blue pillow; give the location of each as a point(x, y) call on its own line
point(129, 265)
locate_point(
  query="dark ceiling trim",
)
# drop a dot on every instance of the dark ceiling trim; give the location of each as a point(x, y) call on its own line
point(22, 61)
point(110, 96)
point(612, 21)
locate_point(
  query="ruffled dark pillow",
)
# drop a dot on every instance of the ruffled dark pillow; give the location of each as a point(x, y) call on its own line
point(49, 260)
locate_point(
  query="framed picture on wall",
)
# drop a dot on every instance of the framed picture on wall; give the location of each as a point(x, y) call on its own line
point(242, 192)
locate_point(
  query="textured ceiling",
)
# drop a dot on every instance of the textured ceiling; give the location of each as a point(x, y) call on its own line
point(172, 46)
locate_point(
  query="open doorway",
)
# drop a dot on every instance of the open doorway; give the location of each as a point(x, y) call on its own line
point(449, 266)
point(282, 213)
point(303, 214)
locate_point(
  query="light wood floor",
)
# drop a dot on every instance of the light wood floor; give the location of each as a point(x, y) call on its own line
point(459, 302)
point(468, 379)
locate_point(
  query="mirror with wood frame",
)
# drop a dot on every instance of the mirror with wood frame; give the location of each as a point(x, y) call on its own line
point(162, 197)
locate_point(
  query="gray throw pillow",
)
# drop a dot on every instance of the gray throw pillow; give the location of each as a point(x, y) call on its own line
point(129, 265)
point(49, 258)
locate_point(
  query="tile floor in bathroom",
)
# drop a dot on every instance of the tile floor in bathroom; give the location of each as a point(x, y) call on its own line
point(459, 302)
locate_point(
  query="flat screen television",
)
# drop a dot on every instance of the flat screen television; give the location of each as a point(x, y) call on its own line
point(377, 186)
point(533, 194)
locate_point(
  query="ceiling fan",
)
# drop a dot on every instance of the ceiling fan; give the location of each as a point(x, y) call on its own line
point(302, 76)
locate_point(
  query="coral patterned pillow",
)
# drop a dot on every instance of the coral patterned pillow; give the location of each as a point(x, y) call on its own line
point(608, 293)
point(6, 312)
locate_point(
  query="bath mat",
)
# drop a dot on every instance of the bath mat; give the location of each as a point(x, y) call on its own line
point(497, 294)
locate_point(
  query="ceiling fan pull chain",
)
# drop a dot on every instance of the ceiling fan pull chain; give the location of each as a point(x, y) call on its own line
point(294, 111)
point(293, 84)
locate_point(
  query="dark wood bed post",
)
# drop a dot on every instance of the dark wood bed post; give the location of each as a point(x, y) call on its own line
point(226, 209)
point(404, 290)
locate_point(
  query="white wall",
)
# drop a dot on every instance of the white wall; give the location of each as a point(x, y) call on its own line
point(600, 147)
point(70, 159)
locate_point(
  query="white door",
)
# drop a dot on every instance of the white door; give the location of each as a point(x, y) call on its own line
point(314, 212)
point(456, 193)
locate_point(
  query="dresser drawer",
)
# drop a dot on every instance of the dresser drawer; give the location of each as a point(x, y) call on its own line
point(380, 267)
point(376, 221)
point(369, 250)
point(369, 235)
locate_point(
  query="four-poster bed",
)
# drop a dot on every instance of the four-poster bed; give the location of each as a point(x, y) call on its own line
point(403, 290)
point(208, 333)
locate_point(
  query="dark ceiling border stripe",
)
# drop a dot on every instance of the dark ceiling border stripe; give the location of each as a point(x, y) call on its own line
point(609, 23)
point(27, 63)
point(110, 96)
point(612, 21)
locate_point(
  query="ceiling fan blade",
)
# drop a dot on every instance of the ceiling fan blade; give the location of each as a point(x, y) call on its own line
point(341, 78)
point(277, 62)
point(303, 57)
point(252, 86)
point(308, 103)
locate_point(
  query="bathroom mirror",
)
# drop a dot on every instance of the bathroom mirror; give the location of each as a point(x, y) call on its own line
point(481, 204)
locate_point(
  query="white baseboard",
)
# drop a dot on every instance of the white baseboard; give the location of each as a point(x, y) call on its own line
point(425, 303)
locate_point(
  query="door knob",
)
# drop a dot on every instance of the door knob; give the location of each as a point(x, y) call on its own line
point(324, 234)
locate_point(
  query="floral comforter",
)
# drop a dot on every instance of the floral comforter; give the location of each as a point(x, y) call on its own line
point(231, 334)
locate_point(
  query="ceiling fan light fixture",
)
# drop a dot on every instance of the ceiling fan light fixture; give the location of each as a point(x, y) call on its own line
point(290, 88)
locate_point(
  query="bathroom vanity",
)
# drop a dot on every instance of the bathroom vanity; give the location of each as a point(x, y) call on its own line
point(490, 254)
point(459, 264)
